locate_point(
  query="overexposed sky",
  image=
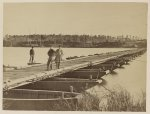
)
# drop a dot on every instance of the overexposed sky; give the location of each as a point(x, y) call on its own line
point(76, 18)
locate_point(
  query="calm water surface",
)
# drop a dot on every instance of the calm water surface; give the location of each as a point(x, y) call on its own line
point(131, 77)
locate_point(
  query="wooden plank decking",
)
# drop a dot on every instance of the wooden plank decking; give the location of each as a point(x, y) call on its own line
point(15, 78)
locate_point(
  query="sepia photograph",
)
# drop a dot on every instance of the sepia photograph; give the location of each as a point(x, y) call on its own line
point(75, 56)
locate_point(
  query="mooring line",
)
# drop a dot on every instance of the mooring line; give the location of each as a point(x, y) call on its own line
point(107, 89)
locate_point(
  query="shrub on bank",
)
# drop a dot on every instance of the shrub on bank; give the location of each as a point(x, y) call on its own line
point(123, 101)
point(115, 101)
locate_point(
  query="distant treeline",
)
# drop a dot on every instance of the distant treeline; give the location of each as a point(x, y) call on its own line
point(90, 41)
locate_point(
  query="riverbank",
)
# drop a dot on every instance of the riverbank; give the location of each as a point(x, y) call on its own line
point(118, 101)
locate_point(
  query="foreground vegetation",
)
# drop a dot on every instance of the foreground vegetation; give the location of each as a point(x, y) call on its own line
point(114, 101)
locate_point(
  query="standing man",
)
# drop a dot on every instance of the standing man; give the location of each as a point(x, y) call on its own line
point(58, 57)
point(31, 55)
point(50, 53)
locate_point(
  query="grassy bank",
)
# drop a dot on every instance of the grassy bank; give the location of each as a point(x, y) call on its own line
point(114, 101)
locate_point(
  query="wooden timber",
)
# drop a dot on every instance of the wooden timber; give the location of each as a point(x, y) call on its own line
point(79, 86)
point(26, 99)
point(19, 77)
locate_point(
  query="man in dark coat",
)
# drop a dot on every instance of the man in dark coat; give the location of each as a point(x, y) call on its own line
point(31, 55)
point(51, 54)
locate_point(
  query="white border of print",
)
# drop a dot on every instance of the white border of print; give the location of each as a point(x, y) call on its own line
point(73, 112)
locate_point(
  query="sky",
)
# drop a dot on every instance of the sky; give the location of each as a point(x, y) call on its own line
point(76, 18)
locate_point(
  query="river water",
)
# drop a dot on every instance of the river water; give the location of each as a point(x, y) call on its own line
point(131, 77)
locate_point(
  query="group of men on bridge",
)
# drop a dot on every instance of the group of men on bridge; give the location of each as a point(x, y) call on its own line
point(53, 56)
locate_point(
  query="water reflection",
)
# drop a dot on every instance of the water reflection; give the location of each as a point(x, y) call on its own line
point(114, 73)
point(127, 64)
point(122, 67)
point(104, 82)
